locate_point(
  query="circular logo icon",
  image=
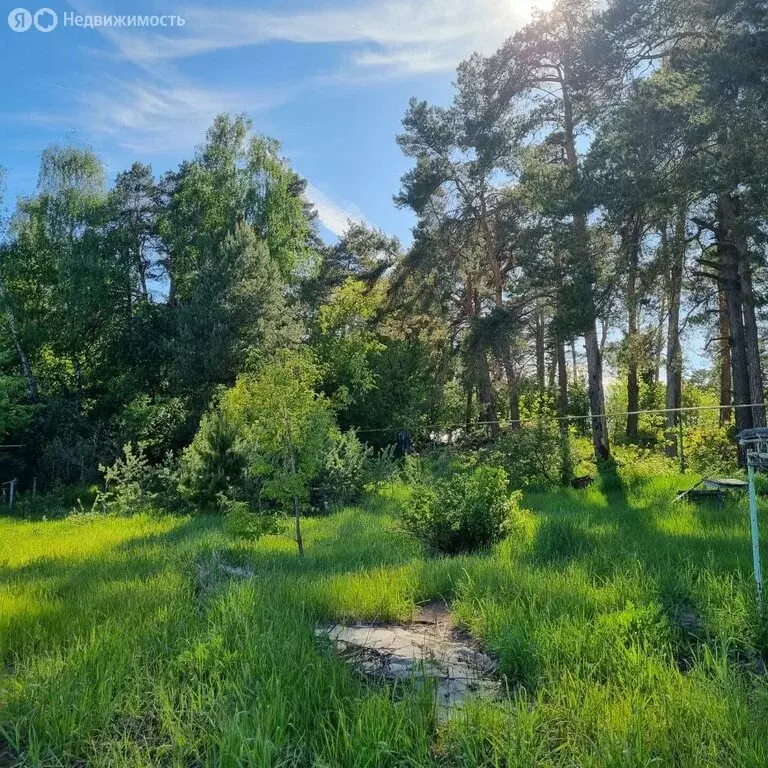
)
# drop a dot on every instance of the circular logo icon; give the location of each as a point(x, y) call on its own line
point(46, 20)
point(19, 19)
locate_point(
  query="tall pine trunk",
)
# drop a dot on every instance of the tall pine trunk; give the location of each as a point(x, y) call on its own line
point(478, 364)
point(600, 440)
point(631, 235)
point(541, 363)
point(566, 463)
point(675, 256)
point(751, 340)
point(724, 357)
point(596, 396)
point(731, 281)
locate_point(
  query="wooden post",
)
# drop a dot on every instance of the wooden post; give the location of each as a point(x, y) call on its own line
point(11, 494)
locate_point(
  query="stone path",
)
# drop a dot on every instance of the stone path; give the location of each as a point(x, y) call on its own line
point(429, 647)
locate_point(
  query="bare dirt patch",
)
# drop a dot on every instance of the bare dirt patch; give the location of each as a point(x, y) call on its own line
point(429, 648)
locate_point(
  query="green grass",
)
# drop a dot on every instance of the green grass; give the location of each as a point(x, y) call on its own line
point(625, 626)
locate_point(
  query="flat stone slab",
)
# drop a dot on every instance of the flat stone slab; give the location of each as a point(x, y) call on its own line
point(428, 648)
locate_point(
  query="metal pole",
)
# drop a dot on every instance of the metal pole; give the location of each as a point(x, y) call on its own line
point(755, 533)
point(10, 497)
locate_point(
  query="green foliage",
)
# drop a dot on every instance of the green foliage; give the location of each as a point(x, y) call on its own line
point(242, 522)
point(15, 413)
point(382, 467)
point(531, 456)
point(347, 467)
point(347, 344)
point(710, 449)
point(286, 428)
point(127, 484)
point(471, 510)
point(57, 503)
point(154, 423)
point(214, 462)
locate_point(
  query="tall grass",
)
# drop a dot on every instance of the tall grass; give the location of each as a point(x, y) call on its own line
point(625, 628)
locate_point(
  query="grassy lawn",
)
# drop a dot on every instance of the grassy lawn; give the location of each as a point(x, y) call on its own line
point(625, 626)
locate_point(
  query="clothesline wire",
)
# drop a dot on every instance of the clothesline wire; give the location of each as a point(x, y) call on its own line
point(539, 419)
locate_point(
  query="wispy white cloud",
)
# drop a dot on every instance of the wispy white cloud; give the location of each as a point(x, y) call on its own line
point(159, 116)
point(334, 216)
point(161, 109)
point(405, 35)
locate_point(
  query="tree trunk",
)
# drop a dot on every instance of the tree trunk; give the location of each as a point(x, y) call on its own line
point(468, 409)
point(478, 362)
point(498, 279)
point(751, 339)
point(513, 390)
point(633, 404)
point(575, 365)
point(630, 236)
point(297, 518)
point(603, 335)
point(675, 255)
point(541, 365)
point(485, 391)
point(724, 358)
point(729, 270)
point(566, 471)
point(26, 367)
point(600, 440)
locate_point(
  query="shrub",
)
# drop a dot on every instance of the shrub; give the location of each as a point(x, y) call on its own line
point(126, 484)
point(346, 466)
point(469, 511)
point(531, 456)
point(710, 449)
point(213, 463)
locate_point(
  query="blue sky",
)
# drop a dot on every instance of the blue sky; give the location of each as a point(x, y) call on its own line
point(330, 80)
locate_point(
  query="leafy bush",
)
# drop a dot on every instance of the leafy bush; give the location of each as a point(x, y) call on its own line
point(531, 456)
point(214, 462)
point(710, 449)
point(346, 467)
point(469, 511)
